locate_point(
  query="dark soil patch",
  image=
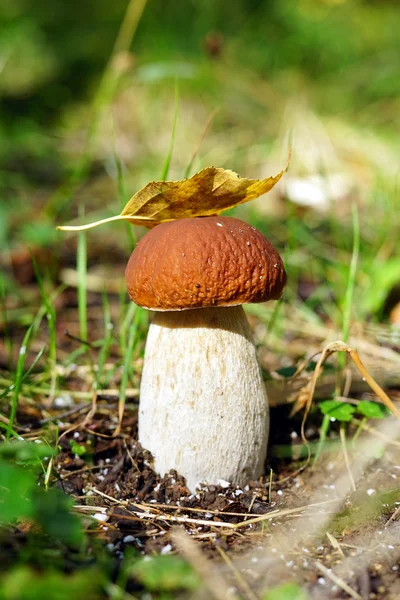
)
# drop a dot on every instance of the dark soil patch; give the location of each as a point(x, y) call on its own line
point(139, 509)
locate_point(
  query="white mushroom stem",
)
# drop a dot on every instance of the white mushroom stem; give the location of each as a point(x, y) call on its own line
point(203, 404)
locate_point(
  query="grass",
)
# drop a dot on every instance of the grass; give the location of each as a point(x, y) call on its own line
point(343, 276)
point(82, 296)
point(349, 294)
point(167, 162)
point(16, 386)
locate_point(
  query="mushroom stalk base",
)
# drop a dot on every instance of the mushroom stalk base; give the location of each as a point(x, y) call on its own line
point(203, 404)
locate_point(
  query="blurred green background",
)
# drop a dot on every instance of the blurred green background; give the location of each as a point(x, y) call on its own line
point(249, 57)
point(87, 92)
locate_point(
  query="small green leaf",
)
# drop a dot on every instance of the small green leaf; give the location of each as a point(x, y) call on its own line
point(23, 583)
point(165, 573)
point(22, 498)
point(372, 410)
point(77, 449)
point(16, 487)
point(52, 511)
point(286, 591)
point(341, 411)
point(286, 371)
point(26, 452)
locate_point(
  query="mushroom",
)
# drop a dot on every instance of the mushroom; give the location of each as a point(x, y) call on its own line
point(203, 405)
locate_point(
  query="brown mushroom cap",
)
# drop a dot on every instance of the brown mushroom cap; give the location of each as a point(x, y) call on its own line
point(205, 261)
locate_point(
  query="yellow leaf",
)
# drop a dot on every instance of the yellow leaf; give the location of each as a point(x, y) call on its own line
point(208, 192)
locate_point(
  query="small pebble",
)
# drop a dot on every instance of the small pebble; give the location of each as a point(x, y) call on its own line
point(64, 401)
point(100, 517)
point(128, 538)
point(223, 483)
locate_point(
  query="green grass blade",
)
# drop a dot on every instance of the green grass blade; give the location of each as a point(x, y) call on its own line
point(18, 381)
point(132, 338)
point(108, 85)
point(82, 295)
point(123, 194)
point(326, 421)
point(197, 147)
point(5, 392)
point(12, 432)
point(50, 314)
point(348, 298)
point(125, 325)
point(107, 341)
point(167, 162)
point(4, 312)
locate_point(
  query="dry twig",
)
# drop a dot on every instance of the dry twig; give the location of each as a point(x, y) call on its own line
point(338, 581)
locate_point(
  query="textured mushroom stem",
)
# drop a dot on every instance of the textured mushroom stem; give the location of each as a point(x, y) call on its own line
point(203, 404)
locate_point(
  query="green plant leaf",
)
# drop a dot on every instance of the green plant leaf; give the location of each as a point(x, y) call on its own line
point(382, 277)
point(372, 410)
point(27, 453)
point(286, 591)
point(52, 510)
point(16, 487)
point(286, 371)
point(165, 573)
point(76, 448)
point(22, 583)
point(341, 411)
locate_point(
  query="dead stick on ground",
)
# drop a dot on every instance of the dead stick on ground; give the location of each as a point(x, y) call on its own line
point(393, 517)
point(159, 516)
point(246, 589)
point(212, 579)
point(338, 581)
point(333, 541)
point(346, 457)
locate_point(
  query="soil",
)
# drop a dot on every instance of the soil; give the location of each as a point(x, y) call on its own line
point(360, 544)
point(313, 524)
